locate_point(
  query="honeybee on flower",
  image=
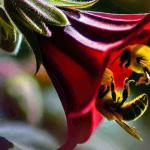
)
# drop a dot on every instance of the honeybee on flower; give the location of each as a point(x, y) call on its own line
point(114, 106)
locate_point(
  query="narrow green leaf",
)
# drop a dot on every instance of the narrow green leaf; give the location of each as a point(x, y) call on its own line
point(55, 14)
point(34, 24)
point(72, 3)
point(41, 11)
point(29, 34)
point(10, 38)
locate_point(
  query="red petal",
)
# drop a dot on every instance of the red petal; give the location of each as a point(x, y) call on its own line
point(77, 85)
point(107, 32)
point(119, 73)
point(77, 79)
point(75, 58)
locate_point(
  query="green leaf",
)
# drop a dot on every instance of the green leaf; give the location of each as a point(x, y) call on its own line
point(36, 13)
point(35, 25)
point(29, 34)
point(72, 3)
point(52, 14)
point(10, 38)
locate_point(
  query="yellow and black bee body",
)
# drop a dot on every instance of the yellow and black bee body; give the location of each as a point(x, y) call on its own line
point(134, 109)
point(128, 111)
point(114, 105)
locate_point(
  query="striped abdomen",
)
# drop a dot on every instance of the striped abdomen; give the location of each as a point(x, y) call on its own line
point(134, 109)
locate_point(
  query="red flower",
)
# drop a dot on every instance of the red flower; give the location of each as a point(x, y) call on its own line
point(76, 56)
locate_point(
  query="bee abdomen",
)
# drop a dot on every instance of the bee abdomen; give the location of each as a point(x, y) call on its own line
point(134, 109)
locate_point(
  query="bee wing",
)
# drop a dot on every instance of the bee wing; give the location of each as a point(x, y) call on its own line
point(131, 130)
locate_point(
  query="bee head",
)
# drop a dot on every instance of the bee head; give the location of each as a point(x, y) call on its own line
point(125, 58)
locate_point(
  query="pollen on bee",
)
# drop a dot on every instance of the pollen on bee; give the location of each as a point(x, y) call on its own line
point(107, 77)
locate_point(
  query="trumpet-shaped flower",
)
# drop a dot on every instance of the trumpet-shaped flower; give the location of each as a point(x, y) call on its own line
point(76, 56)
point(75, 47)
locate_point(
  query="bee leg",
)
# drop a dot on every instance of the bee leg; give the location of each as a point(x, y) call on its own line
point(132, 131)
point(113, 93)
point(125, 92)
point(102, 91)
point(124, 95)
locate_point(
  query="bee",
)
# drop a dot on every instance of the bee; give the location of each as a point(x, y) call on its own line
point(114, 106)
point(137, 58)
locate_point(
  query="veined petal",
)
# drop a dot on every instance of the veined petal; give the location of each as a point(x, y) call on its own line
point(106, 31)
